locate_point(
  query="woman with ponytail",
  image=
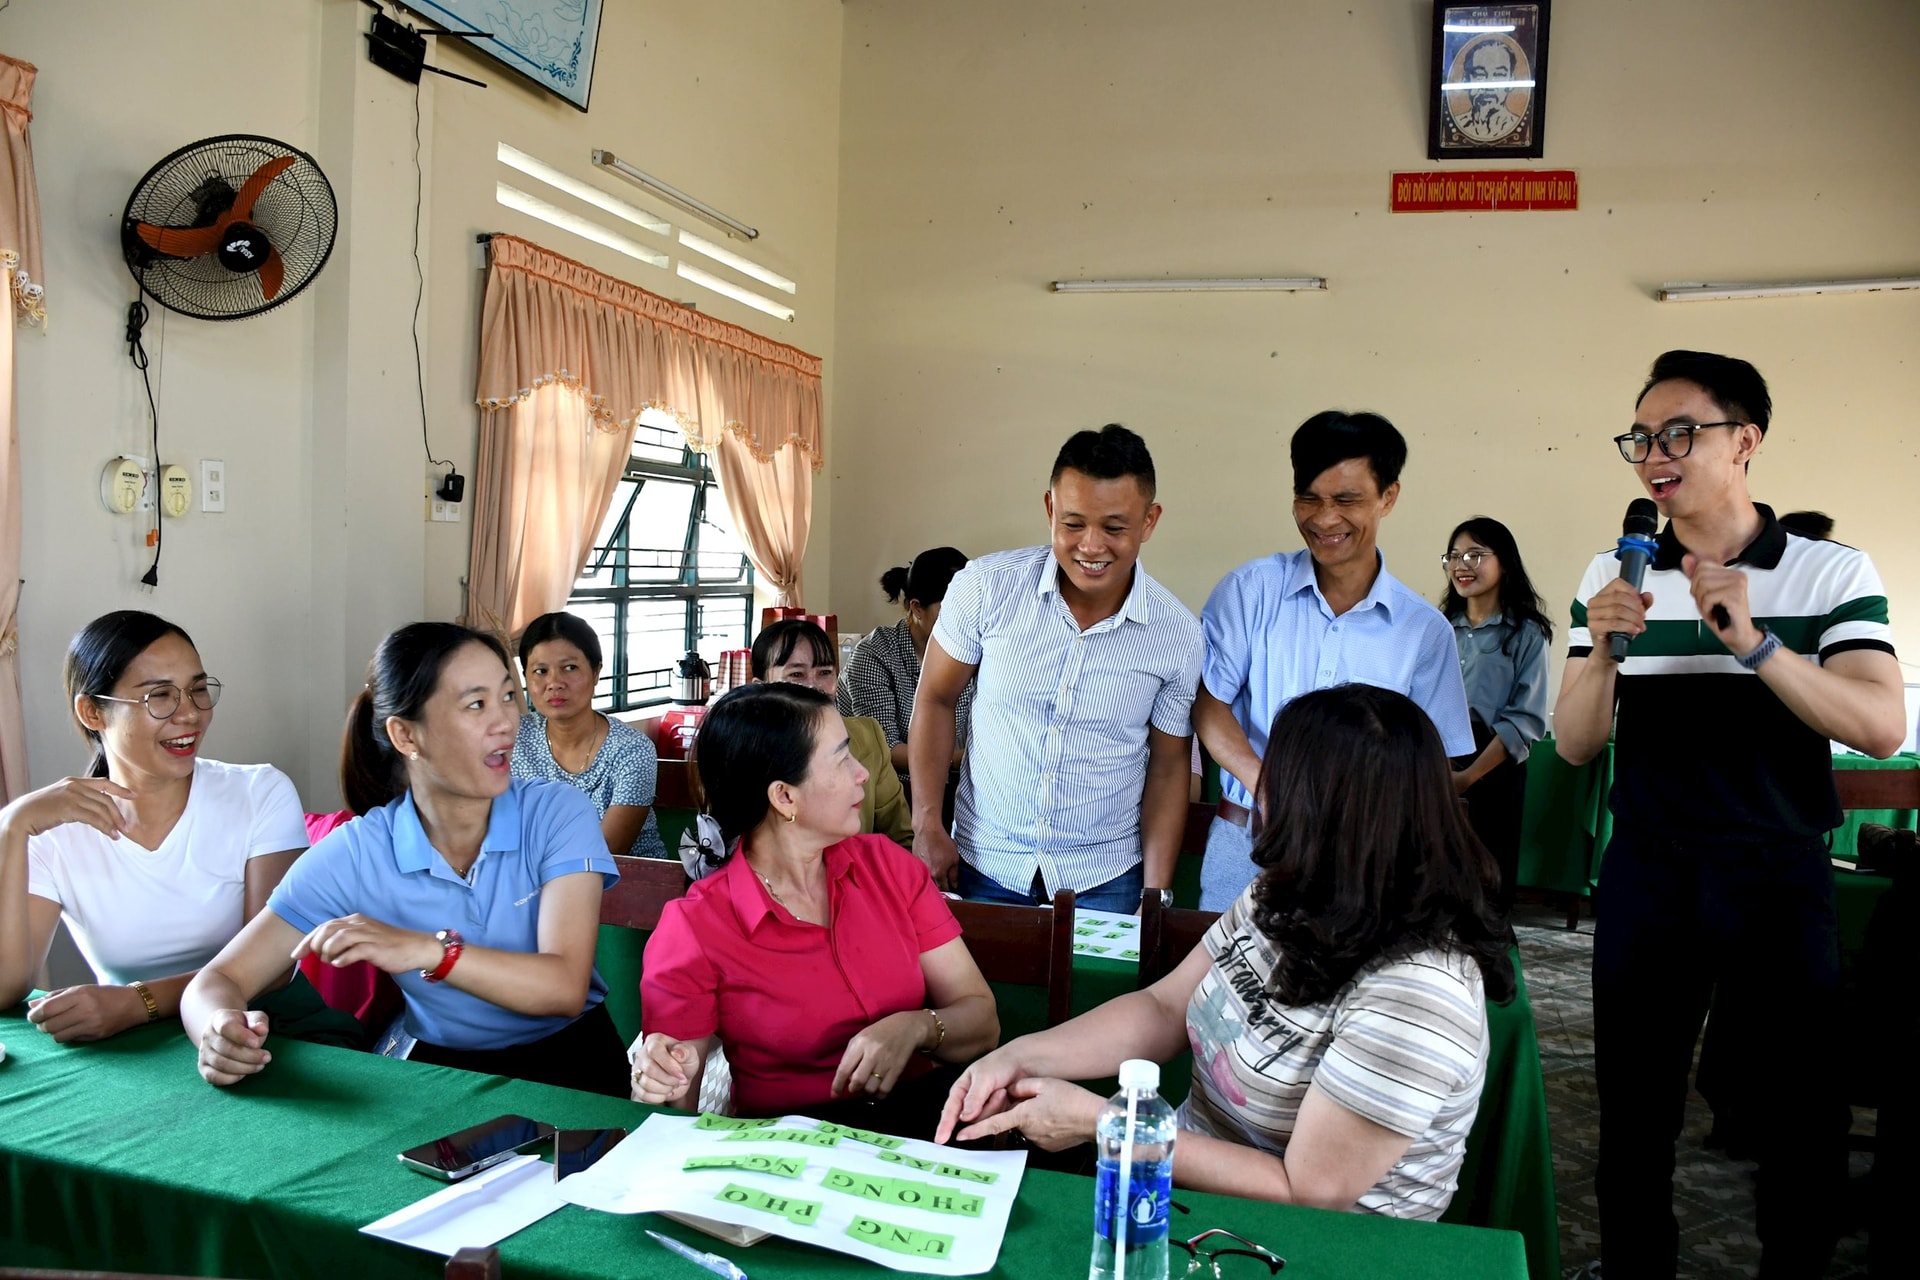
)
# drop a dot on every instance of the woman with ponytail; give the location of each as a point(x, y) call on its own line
point(478, 893)
point(884, 670)
point(823, 961)
point(157, 856)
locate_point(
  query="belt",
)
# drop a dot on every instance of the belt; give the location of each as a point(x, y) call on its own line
point(1233, 813)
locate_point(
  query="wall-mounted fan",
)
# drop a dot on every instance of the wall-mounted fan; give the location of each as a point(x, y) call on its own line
point(229, 227)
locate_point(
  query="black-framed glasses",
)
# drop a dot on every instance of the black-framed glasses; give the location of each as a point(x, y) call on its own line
point(1675, 441)
point(163, 701)
point(1471, 559)
point(1207, 1261)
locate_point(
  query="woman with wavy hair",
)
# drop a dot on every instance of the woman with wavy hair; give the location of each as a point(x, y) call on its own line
point(1336, 1011)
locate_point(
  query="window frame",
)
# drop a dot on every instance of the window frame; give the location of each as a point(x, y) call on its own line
point(611, 561)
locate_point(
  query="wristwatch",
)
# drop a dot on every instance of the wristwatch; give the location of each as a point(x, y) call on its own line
point(1768, 646)
point(451, 945)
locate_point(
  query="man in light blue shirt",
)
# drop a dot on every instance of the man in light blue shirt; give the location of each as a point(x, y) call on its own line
point(1078, 757)
point(1292, 622)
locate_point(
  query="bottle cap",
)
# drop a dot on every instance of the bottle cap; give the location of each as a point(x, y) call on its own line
point(1138, 1073)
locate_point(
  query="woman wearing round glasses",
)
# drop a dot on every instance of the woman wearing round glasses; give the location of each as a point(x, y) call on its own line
point(157, 856)
point(1501, 633)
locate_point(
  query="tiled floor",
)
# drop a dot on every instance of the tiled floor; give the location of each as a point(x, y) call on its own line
point(1713, 1196)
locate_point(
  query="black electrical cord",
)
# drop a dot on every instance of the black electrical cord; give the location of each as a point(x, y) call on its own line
point(420, 286)
point(137, 352)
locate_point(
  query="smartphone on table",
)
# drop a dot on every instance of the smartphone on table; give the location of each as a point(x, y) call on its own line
point(460, 1155)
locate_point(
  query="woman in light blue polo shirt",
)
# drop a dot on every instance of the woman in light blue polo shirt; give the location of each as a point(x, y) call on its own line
point(479, 894)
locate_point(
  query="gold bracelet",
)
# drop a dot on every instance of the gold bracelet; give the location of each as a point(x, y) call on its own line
point(941, 1026)
point(153, 1006)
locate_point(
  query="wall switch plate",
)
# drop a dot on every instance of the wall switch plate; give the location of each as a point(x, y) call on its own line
point(213, 484)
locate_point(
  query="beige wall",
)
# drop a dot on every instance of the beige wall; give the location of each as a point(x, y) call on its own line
point(324, 545)
point(992, 146)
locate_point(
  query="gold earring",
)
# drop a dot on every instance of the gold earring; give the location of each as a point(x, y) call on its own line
point(793, 815)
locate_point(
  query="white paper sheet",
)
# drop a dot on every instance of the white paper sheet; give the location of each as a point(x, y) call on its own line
point(1106, 934)
point(475, 1212)
point(647, 1174)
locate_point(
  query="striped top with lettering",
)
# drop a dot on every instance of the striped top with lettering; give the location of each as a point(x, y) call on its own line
point(1404, 1044)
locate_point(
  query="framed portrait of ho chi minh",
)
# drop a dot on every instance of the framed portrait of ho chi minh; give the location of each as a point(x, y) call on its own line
point(1488, 99)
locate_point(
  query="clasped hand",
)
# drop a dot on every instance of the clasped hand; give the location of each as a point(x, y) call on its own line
point(349, 939)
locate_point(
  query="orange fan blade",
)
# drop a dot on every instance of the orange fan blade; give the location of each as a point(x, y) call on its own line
point(181, 242)
point(250, 190)
point(272, 273)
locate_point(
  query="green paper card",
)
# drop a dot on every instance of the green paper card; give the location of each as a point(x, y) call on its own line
point(944, 1170)
point(1086, 930)
point(905, 1193)
point(778, 1166)
point(709, 1121)
point(884, 1235)
point(1130, 955)
point(802, 1213)
point(868, 1136)
point(805, 1137)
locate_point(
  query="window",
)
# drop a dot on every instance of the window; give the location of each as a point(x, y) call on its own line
point(667, 572)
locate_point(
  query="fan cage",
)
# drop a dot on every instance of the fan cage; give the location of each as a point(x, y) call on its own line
point(297, 213)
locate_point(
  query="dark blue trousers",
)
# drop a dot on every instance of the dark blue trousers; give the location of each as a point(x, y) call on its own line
point(1676, 920)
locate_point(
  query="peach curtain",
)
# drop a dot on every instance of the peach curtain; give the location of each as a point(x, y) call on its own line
point(25, 304)
point(551, 324)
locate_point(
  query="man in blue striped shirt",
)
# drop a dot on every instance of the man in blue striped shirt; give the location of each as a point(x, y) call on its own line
point(1291, 622)
point(1076, 772)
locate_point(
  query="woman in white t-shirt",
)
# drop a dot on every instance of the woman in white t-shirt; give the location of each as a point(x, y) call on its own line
point(1336, 1011)
point(157, 857)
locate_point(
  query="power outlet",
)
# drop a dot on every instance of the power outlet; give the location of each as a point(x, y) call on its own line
point(439, 511)
point(213, 485)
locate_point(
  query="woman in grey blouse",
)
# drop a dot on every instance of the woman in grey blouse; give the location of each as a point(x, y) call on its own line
point(563, 739)
point(885, 667)
point(1501, 633)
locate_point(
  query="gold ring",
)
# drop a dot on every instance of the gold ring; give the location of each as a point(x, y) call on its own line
point(877, 1075)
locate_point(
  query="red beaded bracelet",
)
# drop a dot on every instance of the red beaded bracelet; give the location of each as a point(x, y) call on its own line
point(452, 945)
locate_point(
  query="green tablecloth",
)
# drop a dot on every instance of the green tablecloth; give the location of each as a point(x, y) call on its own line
point(117, 1155)
point(1566, 826)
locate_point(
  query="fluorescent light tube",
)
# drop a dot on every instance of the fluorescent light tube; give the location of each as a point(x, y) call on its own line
point(1467, 28)
point(1785, 289)
point(1469, 86)
point(707, 280)
point(567, 220)
point(1249, 284)
point(674, 195)
point(745, 266)
point(537, 168)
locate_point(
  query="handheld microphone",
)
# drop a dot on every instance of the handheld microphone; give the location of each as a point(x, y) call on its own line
point(1634, 551)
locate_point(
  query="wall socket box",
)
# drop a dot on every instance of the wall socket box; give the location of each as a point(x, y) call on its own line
point(213, 484)
point(439, 510)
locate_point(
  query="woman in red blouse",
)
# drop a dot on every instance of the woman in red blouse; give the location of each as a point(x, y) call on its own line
point(824, 961)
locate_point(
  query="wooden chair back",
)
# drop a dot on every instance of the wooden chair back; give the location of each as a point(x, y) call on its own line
point(646, 886)
point(1167, 936)
point(1028, 946)
point(1878, 788)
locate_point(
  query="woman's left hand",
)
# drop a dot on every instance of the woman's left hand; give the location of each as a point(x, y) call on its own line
point(348, 939)
point(1463, 779)
point(1053, 1114)
point(73, 1015)
point(877, 1054)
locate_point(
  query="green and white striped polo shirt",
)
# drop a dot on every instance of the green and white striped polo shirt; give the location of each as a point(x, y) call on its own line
point(1703, 748)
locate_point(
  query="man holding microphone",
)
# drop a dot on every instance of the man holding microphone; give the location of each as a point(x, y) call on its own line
point(1751, 648)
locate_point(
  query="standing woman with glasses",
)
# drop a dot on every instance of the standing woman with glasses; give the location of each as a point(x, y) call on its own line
point(478, 892)
point(1502, 634)
point(157, 856)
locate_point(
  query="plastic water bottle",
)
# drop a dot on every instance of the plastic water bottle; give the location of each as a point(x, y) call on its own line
point(1134, 1192)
